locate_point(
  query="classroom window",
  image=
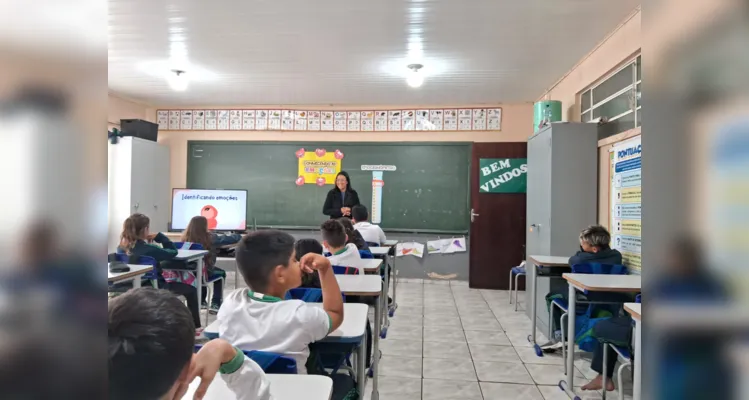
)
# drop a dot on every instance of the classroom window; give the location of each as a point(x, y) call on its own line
point(617, 98)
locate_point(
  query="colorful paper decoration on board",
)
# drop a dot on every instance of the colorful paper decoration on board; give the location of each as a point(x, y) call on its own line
point(464, 119)
point(318, 167)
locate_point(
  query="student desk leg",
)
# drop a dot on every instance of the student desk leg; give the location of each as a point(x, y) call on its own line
point(637, 390)
point(361, 366)
point(376, 349)
point(384, 300)
point(395, 283)
point(199, 281)
point(534, 287)
point(568, 385)
point(136, 282)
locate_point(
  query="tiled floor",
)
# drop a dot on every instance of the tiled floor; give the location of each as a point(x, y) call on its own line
point(447, 341)
point(450, 342)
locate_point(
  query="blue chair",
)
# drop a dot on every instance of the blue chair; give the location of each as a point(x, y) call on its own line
point(271, 363)
point(307, 295)
point(591, 268)
point(152, 276)
point(341, 270)
point(366, 254)
point(517, 272)
point(373, 244)
point(212, 278)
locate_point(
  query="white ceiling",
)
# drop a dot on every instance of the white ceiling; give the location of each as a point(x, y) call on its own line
point(353, 52)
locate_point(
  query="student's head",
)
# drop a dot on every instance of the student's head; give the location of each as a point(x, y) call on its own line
point(306, 246)
point(134, 228)
point(359, 213)
point(333, 235)
point(267, 262)
point(151, 338)
point(342, 181)
point(594, 239)
point(197, 232)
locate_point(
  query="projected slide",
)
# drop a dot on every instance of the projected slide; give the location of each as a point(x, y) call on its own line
point(226, 210)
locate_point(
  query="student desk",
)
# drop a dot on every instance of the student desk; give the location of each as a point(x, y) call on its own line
point(367, 285)
point(282, 387)
point(136, 271)
point(194, 255)
point(635, 309)
point(352, 329)
point(384, 252)
point(541, 261)
point(590, 283)
point(177, 237)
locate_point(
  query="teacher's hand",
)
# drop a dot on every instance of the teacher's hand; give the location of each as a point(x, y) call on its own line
point(345, 210)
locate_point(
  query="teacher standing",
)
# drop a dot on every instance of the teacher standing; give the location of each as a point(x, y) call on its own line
point(341, 198)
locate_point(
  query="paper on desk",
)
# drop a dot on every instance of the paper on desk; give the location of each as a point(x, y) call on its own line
point(409, 248)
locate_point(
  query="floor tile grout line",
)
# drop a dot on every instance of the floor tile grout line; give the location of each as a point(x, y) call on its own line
point(473, 363)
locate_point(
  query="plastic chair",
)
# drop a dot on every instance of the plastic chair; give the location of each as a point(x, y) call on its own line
point(373, 244)
point(517, 272)
point(210, 279)
point(307, 295)
point(365, 254)
point(152, 276)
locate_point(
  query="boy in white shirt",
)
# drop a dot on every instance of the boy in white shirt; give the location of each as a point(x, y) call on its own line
point(334, 239)
point(371, 233)
point(151, 343)
point(258, 319)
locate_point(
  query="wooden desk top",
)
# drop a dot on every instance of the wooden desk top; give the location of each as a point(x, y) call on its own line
point(605, 283)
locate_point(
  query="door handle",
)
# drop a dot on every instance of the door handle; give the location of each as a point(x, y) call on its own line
point(473, 215)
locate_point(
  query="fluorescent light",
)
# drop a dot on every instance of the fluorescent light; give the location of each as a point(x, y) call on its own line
point(178, 81)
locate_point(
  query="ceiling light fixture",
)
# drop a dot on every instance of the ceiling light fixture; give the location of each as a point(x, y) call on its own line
point(177, 80)
point(415, 78)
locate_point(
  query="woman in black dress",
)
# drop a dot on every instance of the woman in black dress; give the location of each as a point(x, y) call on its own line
point(341, 198)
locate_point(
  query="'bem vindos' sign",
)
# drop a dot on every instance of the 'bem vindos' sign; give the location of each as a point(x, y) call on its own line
point(503, 175)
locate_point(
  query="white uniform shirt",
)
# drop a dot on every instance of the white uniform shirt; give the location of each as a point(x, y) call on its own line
point(371, 233)
point(253, 321)
point(348, 257)
point(246, 379)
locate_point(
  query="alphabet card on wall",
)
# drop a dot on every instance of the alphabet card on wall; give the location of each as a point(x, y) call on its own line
point(394, 121)
point(185, 120)
point(162, 118)
point(326, 120)
point(479, 119)
point(381, 121)
point(354, 121)
point(494, 119)
point(261, 119)
point(339, 118)
point(274, 120)
point(408, 120)
point(223, 120)
point(248, 120)
point(451, 120)
point(435, 117)
point(313, 121)
point(300, 120)
point(287, 120)
point(367, 121)
point(211, 121)
point(465, 119)
point(198, 120)
point(174, 120)
point(235, 120)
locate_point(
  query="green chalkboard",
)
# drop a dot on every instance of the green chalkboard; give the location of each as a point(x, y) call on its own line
point(429, 191)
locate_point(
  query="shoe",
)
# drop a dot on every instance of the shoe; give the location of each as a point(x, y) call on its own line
point(214, 308)
point(552, 347)
point(203, 305)
point(390, 301)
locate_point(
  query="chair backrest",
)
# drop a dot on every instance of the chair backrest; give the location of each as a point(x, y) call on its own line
point(365, 255)
point(340, 270)
point(191, 245)
point(307, 295)
point(596, 268)
point(272, 363)
point(373, 244)
point(638, 298)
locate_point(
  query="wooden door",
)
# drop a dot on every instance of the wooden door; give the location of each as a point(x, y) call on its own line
point(498, 231)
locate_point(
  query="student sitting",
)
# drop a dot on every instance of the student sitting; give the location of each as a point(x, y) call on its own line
point(594, 248)
point(197, 232)
point(133, 241)
point(334, 239)
point(352, 235)
point(258, 319)
point(370, 232)
point(151, 343)
point(301, 248)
